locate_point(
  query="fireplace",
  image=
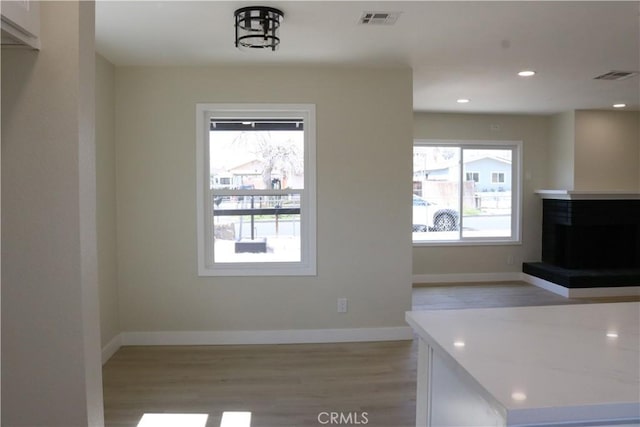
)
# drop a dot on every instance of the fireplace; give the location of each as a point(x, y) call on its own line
point(589, 240)
point(591, 234)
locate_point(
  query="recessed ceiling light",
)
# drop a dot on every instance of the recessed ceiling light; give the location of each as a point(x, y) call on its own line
point(619, 105)
point(462, 101)
point(612, 334)
point(459, 343)
point(526, 73)
point(518, 396)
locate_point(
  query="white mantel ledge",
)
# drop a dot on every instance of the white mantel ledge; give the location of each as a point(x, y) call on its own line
point(588, 195)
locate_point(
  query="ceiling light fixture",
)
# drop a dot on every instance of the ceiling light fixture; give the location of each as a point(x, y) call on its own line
point(518, 396)
point(257, 27)
point(527, 73)
point(462, 101)
point(619, 105)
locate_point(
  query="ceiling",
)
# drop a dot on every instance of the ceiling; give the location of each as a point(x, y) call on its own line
point(457, 49)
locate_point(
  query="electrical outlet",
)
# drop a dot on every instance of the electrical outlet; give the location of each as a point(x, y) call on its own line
point(342, 305)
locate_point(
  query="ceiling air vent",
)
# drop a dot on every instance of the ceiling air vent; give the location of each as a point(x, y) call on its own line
point(378, 18)
point(616, 75)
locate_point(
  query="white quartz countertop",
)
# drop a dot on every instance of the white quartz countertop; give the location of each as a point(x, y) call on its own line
point(543, 364)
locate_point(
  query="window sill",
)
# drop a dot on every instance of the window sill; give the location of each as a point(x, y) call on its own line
point(468, 243)
point(240, 269)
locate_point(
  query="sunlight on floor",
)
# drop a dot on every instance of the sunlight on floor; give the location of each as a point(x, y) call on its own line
point(229, 419)
point(173, 420)
point(236, 419)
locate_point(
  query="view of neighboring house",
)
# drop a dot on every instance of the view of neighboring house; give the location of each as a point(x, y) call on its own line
point(489, 173)
point(249, 175)
point(483, 186)
point(220, 178)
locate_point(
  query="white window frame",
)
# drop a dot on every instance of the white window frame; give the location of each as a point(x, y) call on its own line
point(498, 175)
point(516, 192)
point(206, 264)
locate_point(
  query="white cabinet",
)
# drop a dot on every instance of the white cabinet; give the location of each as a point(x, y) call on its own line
point(20, 23)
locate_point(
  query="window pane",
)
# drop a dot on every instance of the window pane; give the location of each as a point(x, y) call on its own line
point(256, 159)
point(256, 229)
point(487, 199)
point(256, 154)
point(436, 199)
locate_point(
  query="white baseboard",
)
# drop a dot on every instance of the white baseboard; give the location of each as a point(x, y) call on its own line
point(295, 336)
point(467, 278)
point(620, 291)
point(111, 347)
point(545, 284)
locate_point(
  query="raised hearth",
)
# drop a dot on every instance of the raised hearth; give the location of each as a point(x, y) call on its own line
point(583, 278)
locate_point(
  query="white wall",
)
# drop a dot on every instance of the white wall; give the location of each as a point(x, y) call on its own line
point(364, 141)
point(51, 372)
point(606, 150)
point(561, 151)
point(534, 131)
point(106, 200)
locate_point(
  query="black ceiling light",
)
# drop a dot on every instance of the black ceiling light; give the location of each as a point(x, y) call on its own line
point(257, 27)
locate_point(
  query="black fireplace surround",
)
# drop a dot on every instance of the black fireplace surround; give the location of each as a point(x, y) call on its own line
point(589, 243)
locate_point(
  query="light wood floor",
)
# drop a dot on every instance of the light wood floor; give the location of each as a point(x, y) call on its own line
point(281, 385)
point(290, 385)
point(485, 295)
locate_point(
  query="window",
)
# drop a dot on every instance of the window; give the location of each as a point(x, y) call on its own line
point(256, 189)
point(472, 176)
point(466, 192)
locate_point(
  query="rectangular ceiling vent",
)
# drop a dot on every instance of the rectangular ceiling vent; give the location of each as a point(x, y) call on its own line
point(616, 75)
point(378, 18)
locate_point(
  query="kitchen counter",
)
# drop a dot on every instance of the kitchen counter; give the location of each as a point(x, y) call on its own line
point(529, 366)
